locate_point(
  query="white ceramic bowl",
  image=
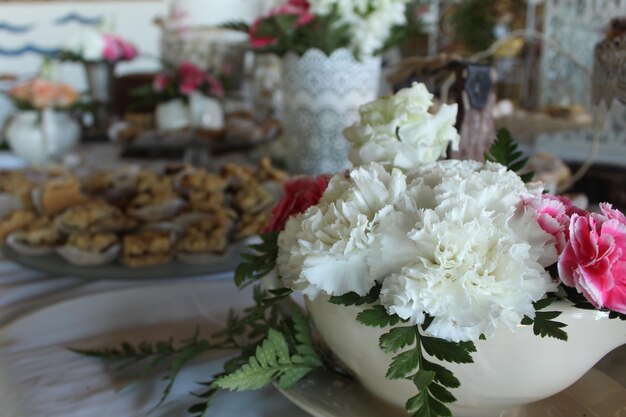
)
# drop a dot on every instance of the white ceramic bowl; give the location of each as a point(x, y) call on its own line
point(509, 369)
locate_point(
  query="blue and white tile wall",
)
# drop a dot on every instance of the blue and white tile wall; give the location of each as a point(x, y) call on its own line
point(31, 30)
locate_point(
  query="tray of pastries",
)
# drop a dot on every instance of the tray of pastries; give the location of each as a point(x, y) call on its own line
point(242, 132)
point(135, 223)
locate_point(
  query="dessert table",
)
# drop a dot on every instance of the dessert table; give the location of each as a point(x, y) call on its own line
point(42, 314)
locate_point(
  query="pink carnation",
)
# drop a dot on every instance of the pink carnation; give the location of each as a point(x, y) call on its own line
point(129, 51)
point(594, 259)
point(117, 49)
point(553, 215)
point(112, 51)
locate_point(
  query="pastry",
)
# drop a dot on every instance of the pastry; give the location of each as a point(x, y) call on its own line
point(207, 235)
point(58, 195)
point(90, 249)
point(266, 172)
point(147, 248)
point(94, 217)
point(250, 224)
point(18, 184)
point(252, 198)
point(237, 175)
point(200, 179)
point(14, 221)
point(37, 238)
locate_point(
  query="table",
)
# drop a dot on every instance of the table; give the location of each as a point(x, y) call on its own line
point(39, 377)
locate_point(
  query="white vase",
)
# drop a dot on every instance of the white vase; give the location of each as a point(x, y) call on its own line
point(173, 115)
point(42, 137)
point(321, 96)
point(206, 112)
point(509, 369)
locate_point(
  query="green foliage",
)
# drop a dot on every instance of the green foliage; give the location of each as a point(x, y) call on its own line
point(397, 338)
point(153, 355)
point(273, 346)
point(377, 317)
point(404, 364)
point(352, 298)
point(261, 262)
point(543, 323)
point(505, 151)
point(473, 22)
point(445, 350)
point(271, 362)
point(237, 25)
point(432, 380)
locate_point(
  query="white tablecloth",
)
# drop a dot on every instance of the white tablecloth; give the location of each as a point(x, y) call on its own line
point(40, 378)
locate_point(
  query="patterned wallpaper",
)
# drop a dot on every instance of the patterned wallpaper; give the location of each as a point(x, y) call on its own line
point(577, 25)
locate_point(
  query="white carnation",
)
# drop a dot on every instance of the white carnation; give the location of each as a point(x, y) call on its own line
point(370, 21)
point(398, 131)
point(88, 44)
point(463, 258)
point(326, 247)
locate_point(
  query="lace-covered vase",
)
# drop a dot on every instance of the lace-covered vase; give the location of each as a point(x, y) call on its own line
point(322, 95)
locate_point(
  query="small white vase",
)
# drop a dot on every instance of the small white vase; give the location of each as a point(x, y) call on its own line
point(173, 115)
point(206, 112)
point(509, 369)
point(42, 137)
point(321, 97)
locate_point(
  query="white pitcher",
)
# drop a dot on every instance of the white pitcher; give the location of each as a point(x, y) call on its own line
point(42, 137)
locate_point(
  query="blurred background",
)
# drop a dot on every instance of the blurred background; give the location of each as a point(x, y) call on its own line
point(540, 55)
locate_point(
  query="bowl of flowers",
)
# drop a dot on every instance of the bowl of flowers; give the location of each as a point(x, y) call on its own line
point(445, 287)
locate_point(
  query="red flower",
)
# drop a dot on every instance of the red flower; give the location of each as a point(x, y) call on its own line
point(300, 194)
point(297, 8)
point(258, 41)
point(191, 78)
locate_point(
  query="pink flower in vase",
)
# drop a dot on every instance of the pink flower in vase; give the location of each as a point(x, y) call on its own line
point(299, 8)
point(129, 51)
point(191, 78)
point(594, 259)
point(112, 51)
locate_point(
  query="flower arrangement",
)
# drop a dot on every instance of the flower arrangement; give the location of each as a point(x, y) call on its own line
point(39, 94)
point(439, 253)
point(94, 46)
point(183, 82)
point(365, 27)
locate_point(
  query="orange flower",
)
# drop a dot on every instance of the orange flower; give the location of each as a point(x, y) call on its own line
point(67, 96)
point(20, 92)
point(44, 94)
point(40, 93)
